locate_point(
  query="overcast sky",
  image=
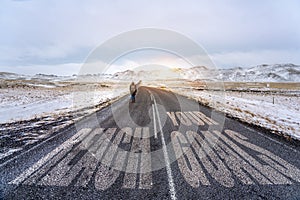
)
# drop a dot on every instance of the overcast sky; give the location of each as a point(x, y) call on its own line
point(40, 36)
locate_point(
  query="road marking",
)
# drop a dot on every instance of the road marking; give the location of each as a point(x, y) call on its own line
point(252, 130)
point(173, 118)
point(154, 119)
point(168, 166)
point(183, 119)
point(130, 177)
point(77, 137)
point(194, 175)
point(190, 118)
point(34, 147)
point(214, 165)
point(145, 165)
point(273, 160)
point(76, 161)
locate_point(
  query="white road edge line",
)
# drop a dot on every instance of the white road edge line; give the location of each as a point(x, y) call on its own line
point(168, 166)
point(154, 119)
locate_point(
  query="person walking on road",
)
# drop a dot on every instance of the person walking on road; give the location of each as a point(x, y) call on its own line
point(133, 91)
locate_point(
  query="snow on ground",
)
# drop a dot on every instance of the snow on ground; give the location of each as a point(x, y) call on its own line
point(36, 105)
point(30, 112)
point(281, 117)
point(22, 104)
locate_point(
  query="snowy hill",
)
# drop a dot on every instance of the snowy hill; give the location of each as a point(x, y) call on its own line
point(198, 73)
point(53, 78)
point(260, 73)
point(12, 76)
point(265, 73)
point(128, 74)
point(148, 74)
point(49, 77)
point(37, 77)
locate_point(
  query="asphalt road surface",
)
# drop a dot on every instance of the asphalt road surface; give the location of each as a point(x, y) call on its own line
point(164, 146)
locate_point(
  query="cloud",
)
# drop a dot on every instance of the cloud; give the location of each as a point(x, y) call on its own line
point(252, 58)
point(58, 69)
point(45, 33)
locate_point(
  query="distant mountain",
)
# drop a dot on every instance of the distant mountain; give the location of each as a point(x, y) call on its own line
point(198, 73)
point(53, 77)
point(260, 73)
point(128, 74)
point(264, 73)
point(193, 73)
point(37, 77)
point(12, 76)
point(155, 74)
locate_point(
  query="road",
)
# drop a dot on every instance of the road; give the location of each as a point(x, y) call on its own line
point(164, 146)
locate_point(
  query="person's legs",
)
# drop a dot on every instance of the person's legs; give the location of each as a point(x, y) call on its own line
point(131, 98)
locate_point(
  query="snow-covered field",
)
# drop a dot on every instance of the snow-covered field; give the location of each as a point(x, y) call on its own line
point(23, 103)
point(32, 111)
point(282, 117)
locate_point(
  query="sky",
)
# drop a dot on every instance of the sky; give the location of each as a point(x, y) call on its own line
point(58, 36)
